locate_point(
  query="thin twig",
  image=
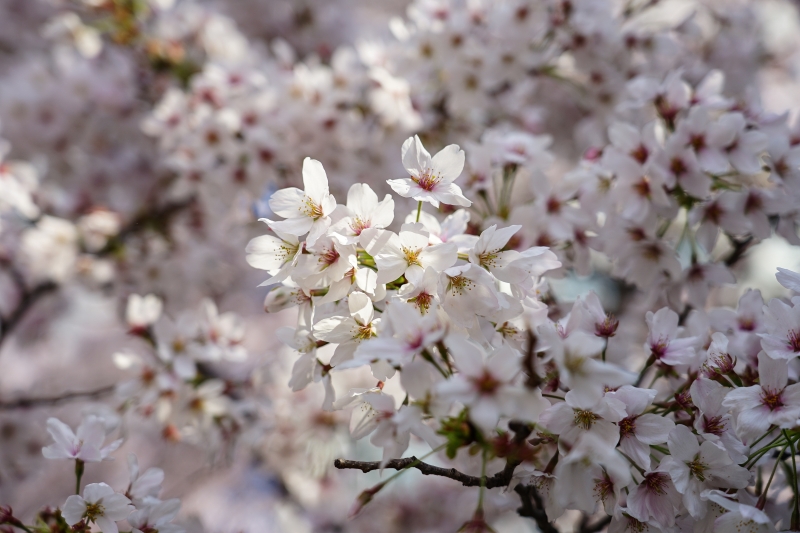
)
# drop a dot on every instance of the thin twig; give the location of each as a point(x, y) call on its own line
point(25, 403)
point(500, 479)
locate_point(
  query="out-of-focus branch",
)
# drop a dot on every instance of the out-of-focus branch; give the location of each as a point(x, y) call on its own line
point(739, 249)
point(157, 219)
point(25, 403)
point(533, 507)
point(28, 297)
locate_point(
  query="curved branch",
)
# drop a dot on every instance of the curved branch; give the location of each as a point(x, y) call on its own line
point(533, 507)
point(500, 479)
point(25, 403)
point(27, 299)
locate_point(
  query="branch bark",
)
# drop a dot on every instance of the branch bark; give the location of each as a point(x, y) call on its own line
point(25, 403)
point(28, 297)
point(533, 507)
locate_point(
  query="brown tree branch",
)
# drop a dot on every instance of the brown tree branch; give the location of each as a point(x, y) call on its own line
point(25, 403)
point(533, 507)
point(28, 297)
point(500, 479)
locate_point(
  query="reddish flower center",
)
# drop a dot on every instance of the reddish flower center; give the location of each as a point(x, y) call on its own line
point(627, 427)
point(486, 383)
point(771, 399)
point(427, 181)
point(714, 425)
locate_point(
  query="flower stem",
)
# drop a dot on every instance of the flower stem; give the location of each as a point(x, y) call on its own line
point(78, 475)
point(479, 509)
point(763, 499)
point(796, 512)
point(419, 209)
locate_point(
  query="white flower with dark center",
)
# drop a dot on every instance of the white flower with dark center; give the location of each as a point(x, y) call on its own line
point(156, 518)
point(350, 331)
point(655, 498)
point(305, 211)
point(364, 211)
point(695, 467)
point(663, 341)
point(431, 179)
point(639, 430)
point(583, 413)
point(771, 402)
point(99, 505)
point(409, 254)
point(275, 254)
point(782, 340)
point(85, 445)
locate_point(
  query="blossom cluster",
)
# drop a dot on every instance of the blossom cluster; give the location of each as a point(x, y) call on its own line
point(526, 247)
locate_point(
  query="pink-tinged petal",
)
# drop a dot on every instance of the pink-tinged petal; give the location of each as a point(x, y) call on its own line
point(287, 202)
point(90, 453)
point(677, 470)
point(63, 435)
point(773, 374)
point(683, 444)
point(743, 398)
point(73, 509)
point(448, 163)
point(636, 450)
point(56, 451)
point(753, 422)
point(653, 429)
point(315, 181)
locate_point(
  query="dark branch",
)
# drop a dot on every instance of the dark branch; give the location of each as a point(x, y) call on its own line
point(28, 298)
point(24, 403)
point(533, 507)
point(597, 526)
point(739, 249)
point(500, 479)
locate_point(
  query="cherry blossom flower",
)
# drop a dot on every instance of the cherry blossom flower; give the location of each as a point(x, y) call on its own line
point(364, 211)
point(695, 467)
point(639, 430)
point(656, 499)
point(305, 211)
point(771, 402)
point(664, 342)
point(431, 179)
point(782, 340)
point(156, 517)
point(99, 505)
point(484, 384)
point(84, 445)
